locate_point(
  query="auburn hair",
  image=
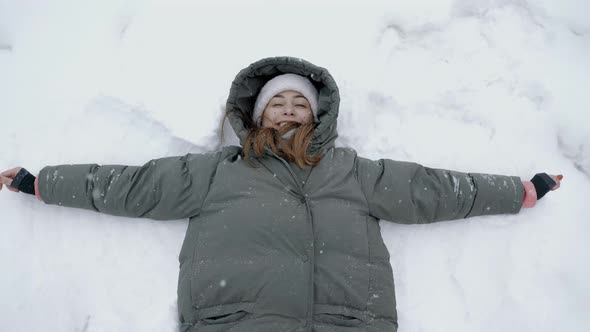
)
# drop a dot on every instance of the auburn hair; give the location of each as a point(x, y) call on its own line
point(293, 149)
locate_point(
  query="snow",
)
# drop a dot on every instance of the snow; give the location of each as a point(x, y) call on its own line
point(494, 86)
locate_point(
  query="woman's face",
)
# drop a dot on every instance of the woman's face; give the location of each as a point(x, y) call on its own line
point(284, 107)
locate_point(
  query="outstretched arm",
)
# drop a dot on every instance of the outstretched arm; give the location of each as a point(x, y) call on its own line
point(407, 192)
point(164, 189)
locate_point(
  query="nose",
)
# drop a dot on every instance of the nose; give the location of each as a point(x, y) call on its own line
point(289, 111)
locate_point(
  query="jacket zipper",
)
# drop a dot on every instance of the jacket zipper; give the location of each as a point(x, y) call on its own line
point(311, 253)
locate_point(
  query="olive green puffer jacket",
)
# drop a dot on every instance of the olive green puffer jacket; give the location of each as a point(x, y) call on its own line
point(272, 247)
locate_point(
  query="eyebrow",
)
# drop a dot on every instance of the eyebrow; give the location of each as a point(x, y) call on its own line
point(281, 96)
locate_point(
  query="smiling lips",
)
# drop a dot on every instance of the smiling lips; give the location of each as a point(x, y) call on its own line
point(282, 123)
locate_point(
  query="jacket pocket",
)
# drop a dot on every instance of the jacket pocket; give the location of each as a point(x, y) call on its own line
point(339, 315)
point(225, 318)
point(224, 314)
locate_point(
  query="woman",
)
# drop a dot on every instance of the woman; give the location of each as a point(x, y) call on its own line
point(284, 233)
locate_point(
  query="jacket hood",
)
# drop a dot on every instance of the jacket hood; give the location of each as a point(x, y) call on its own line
point(250, 80)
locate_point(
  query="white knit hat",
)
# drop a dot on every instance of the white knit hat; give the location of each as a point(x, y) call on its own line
point(282, 83)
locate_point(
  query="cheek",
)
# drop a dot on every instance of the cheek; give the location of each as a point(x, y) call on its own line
point(308, 116)
point(266, 122)
point(268, 118)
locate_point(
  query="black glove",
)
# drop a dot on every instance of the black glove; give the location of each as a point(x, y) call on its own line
point(24, 181)
point(543, 184)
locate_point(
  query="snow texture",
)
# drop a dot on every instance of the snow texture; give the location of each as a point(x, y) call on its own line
point(495, 86)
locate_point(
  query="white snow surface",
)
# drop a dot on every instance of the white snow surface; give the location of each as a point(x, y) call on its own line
point(494, 86)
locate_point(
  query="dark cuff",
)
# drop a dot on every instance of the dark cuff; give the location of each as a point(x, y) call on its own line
point(543, 183)
point(24, 181)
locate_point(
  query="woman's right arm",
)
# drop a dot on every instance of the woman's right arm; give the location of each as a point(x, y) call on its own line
point(163, 189)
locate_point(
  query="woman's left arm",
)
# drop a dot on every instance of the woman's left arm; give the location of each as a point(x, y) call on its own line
point(406, 192)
